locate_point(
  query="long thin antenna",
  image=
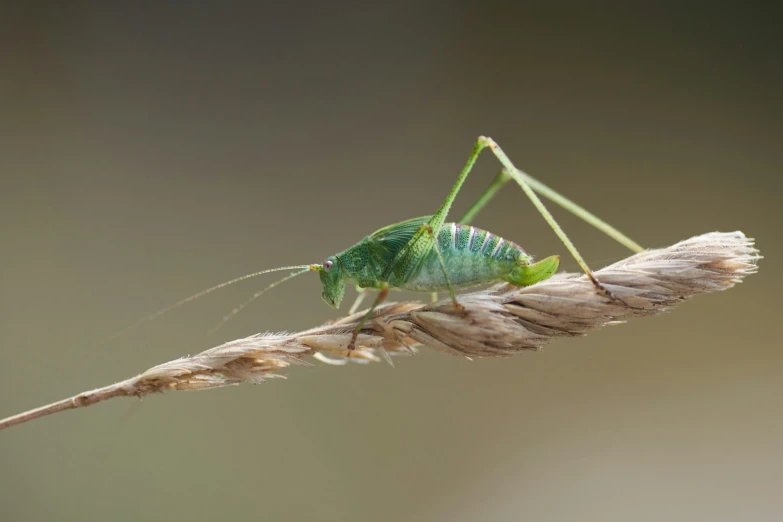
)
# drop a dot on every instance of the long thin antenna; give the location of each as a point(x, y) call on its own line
point(203, 293)
point(237, 309)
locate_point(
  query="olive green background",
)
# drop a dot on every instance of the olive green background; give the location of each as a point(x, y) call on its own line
point(149, 151)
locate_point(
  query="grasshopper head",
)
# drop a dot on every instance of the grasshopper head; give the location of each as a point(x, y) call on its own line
point(333, 279)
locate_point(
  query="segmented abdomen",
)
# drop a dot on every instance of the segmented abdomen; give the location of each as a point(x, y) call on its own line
point(472, 256)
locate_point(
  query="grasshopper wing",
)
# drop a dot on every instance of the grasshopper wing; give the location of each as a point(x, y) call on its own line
point(388, 244)
point(388, 241)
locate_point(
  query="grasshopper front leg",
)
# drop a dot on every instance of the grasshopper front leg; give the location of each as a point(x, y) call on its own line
point(384, 291)
point(361, 294)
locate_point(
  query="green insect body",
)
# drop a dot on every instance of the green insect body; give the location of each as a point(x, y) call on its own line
point(472, 256)
point(427, 254)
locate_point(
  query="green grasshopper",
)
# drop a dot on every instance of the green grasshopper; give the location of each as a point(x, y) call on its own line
point(426, 254)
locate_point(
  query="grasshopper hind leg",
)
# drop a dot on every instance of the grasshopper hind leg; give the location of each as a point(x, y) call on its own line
point(512, 171)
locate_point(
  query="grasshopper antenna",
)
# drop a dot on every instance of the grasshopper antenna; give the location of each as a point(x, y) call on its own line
point(239, 308)
point(304, 268)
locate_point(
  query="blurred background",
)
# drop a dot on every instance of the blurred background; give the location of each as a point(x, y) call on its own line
point(150, 151)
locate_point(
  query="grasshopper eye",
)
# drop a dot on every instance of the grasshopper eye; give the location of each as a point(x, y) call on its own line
point(328, 264)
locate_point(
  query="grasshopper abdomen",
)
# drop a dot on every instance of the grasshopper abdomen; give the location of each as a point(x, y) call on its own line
point(472, 256)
